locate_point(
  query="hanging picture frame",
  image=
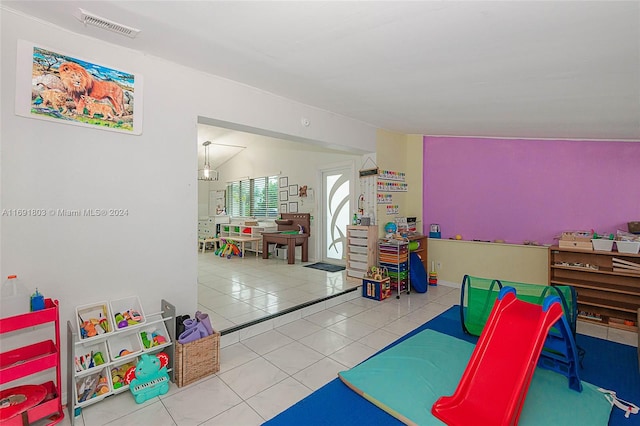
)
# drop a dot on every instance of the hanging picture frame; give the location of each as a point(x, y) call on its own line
point(293, 207)
point(59, 87)
point(283, 207)
point(283, 182)
point(293, 190)
point(284, 196)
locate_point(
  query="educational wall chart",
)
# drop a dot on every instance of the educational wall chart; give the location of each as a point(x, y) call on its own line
point(390, 181)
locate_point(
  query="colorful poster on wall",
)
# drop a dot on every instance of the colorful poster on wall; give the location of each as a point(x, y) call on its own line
point(58, 87)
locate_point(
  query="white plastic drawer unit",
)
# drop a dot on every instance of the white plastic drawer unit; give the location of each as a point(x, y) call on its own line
point(357, 233)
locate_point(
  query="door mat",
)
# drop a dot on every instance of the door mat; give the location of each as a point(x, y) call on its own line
point(326, 267)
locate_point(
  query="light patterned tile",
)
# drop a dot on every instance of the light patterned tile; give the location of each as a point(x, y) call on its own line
point(319, 374)
point(241, 414)
point(194, 405)
point(253, 377)
point(155, 414)
point(293, 357)
point(278, 398)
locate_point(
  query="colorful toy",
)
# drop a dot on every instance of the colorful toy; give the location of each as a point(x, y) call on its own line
point(227, 249)
point(91, 386)
point(130, 317)
point(155, 339)
point(390, 228)
point(118, 374)
point(149, 378)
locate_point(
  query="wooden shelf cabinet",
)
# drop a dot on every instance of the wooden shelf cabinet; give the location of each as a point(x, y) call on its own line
point(421, 251)
point(605, 296)
point(362, 250)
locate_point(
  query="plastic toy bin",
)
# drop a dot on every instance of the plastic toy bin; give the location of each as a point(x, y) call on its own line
point(92, 386)
point(631, 247)
point(124, 346)
point(602, 244)
point(93, 320)
point(154, 335)
point(90, 357)
point(118, 372)
point(127, 311)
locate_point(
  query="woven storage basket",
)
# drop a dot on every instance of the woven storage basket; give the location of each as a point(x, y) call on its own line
point(197, 359)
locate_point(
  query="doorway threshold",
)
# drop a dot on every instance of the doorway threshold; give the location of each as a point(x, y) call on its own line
point(343, 294)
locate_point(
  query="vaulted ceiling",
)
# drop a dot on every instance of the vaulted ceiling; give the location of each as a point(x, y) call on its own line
point(534, 69)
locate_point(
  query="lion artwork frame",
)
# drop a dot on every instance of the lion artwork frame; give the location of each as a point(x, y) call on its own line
point(60, 87)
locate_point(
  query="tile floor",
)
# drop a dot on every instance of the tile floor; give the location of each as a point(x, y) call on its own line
point(238, 290)
point(269, 367)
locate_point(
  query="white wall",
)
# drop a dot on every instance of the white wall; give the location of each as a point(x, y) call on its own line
point(152, 251)
point(299, 162)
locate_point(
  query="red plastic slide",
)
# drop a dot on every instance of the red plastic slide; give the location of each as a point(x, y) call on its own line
point(495, 384)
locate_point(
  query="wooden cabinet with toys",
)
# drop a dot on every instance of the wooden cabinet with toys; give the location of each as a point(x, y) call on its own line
point(108, 342)
point(607, 284)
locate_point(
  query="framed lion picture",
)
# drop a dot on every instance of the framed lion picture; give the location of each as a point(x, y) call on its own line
point(55, 86)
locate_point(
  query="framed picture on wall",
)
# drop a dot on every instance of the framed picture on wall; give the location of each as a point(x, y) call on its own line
point(60, 87)
point(293, 207)
point(293, 190)
point(283, 208)
point(284, 196)
point(283, 182)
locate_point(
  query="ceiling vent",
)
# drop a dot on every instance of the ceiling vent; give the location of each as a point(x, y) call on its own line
point(89, 18)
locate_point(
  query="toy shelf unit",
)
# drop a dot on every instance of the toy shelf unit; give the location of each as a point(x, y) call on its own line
point(254, 230)
point(28, 360)
point(209, 229)
point(362, 250)
point(394, 255)
point(607, 284)
point(96, 365)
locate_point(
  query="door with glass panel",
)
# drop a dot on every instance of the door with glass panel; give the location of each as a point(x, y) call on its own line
point(337, 185)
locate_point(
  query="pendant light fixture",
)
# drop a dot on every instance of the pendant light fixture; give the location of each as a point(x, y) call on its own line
point(207, 173)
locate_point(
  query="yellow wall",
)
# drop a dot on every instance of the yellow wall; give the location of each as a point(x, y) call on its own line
point(510, 262)
point(415, 174)
point(401, 153)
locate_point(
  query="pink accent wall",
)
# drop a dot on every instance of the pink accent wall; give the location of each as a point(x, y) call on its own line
point(518, 190)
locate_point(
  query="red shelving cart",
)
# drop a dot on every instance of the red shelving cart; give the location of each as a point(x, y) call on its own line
point(31, 359)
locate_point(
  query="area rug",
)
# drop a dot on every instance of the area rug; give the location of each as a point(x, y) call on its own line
point(606, 364)
point(325, 267)
point(407, 379)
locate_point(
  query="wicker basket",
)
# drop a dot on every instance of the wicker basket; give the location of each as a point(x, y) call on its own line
point(197, 359)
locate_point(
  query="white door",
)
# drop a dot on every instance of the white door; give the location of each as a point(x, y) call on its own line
point(336, 212)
